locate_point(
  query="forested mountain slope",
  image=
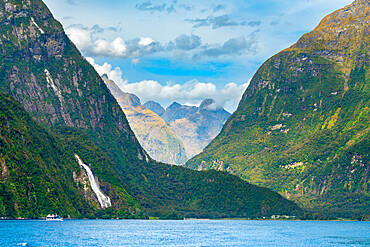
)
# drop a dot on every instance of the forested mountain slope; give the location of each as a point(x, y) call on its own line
point(39, 174)
point(302, 126)
point(75, 112)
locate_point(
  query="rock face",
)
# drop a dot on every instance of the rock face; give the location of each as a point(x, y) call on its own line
point(75, 113)
point(154, 107)
point(39, 176)
point(165, 133)
point(302, 126)
point(196, 126)
point(177, 111)
point(155, 136)
point(43, 70)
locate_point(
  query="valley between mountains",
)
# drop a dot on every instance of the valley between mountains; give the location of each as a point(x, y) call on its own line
point(172, 135)
point(63, 132)
point(302, 126)
point(73, 143)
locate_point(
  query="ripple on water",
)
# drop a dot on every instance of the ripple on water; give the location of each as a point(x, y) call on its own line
point(183, 233)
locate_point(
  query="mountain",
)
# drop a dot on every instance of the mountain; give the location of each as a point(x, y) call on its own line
point(155, 136)
point(189, 127)
point(154, 107)
point(196, 126)
point(177, 111)
point(302, 126)
point(40, 174)
point(79, 156)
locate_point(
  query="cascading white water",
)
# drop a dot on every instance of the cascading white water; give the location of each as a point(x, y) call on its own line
point(103, 199)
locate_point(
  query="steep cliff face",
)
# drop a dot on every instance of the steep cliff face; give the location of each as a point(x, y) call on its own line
point(302, 126)
point(196, 126)
point(154, 107)
point(39, 175)
point(153, 133)
point(44, 71)
point(177, 111)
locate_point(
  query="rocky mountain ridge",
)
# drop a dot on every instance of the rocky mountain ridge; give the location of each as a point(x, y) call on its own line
point(186, 132)
point(153, 133)
point(45, 78)
point(154, 107)
point(195, 126)
point(302, 126)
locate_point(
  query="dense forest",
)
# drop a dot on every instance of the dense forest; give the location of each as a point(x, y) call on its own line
point(55, 105)
point(302, 126)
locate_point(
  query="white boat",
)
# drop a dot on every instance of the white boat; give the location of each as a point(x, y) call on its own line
point(54, 217)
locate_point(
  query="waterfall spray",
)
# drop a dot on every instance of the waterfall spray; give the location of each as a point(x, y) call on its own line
point(103, 199)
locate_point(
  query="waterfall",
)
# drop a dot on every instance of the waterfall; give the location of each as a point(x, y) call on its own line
point(103, 199)
point(34, 23)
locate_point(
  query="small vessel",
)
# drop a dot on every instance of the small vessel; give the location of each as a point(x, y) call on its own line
point(54, 217)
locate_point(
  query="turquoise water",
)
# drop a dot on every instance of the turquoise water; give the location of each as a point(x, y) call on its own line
point(183, 233)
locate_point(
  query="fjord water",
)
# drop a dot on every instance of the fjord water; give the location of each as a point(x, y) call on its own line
point(183, 233)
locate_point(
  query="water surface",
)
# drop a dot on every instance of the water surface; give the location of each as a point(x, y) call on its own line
point(183, 233)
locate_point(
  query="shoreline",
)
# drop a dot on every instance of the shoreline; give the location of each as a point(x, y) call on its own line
point(189, 219)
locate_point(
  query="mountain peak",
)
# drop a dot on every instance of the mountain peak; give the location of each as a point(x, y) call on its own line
point(132, 100)
point(174, 104)
point(155, 107)
point(105, 77)
point(334, 30)
point(207, 102)
point(295, 129)
point(123, 99)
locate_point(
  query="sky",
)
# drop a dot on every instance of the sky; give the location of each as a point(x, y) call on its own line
point(186, 51)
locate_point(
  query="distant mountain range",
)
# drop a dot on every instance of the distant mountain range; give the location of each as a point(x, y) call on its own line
point(302, 127)
point(153, 133)
point(171, 135)
point(155, 107)
point(195, 126)
point(66, 146)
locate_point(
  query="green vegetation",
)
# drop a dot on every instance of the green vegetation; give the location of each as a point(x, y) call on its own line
point(302, 127)
point(37, 170)
point(55, 105)
point(172, 192)
point(35, 179)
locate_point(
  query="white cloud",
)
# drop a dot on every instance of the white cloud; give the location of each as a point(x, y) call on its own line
point(217, 22)
point(116, 48)
point(185, 42)
point(183, 46)
point(113, 74)
point(148, 6)
point(192, 92)
point(79, 36)
point(233, 46)
point(146, 41)
point(84, 39)
point(135, 61)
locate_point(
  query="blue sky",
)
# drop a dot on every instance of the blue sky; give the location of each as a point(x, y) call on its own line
point(186, 51)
